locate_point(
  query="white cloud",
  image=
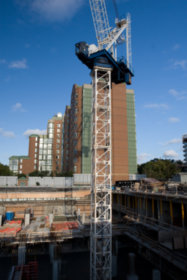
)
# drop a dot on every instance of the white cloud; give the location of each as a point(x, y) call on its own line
point(176, 47)
point(170, 154)
point(18, 64)
point(174, 120)
point(180, 95)
point(18, 107)
point(173, 141)
point(54, 10)
point(173, 92)
point(2, 61)
point(34, 131)
point(156, 106)
point(6, 133)
point(143, 157)
point(180, 64)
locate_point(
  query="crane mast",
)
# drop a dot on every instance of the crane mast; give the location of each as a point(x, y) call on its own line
point(101, 206)
point(105, 69)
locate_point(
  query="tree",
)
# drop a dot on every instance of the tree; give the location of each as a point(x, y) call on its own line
point(65, 174)
point(160, 169)
point(39, 174)
point(4, 170)
point(22, 175)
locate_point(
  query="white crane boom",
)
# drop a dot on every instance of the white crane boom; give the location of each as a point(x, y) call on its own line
point(100, 20)
point(109, 38)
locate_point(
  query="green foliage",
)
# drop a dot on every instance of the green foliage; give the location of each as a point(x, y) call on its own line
point(160, 169)
point(65, 174)
point(4, 170)
point(39, 174)
point(50, 174)
point(22, 175)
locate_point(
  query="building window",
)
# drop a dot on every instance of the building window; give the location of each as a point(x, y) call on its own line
point(36, 144)
point(21, 160)
point(50, 125)
point(36, 138)
point(58, 125)
point(58, 140)
point(58, 130)
point(35, 161)
point(35, 156)
point(58, 151)
point(20, 166)
point(35, 166)
point(75, 168)
point(36, 150)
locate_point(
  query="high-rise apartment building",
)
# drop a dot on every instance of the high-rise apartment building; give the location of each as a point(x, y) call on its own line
point(45, 151)
point(184, 141)
point(124, 160)
point(77, 128)
point(67, 144)
point(26, 164)
point(77, 131)
point(55, 137)
point(66, 137)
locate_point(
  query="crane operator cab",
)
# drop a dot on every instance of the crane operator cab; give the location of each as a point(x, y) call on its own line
point(91, 56)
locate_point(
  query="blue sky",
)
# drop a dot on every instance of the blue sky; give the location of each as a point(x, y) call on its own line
point(38, 68)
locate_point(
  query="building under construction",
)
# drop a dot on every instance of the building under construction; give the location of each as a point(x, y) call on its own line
point(102, 213)
point(52, 220)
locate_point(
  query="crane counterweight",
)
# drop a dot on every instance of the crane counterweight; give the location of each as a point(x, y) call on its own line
point(121, 73)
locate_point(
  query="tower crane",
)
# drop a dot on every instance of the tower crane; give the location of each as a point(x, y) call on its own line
point(105, 69)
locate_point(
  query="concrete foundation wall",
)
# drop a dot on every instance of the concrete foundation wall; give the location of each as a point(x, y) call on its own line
point(77, 179)
point(8, 181)
point(83, 179)
point(50, 181)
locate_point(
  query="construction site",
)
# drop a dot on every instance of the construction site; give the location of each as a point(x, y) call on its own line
point(52, 225)
point(110, 223)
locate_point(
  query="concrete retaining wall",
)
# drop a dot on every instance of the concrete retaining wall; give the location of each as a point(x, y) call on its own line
point(77, 179)
point(8, 181)
point(50, 181)
point(82, 179)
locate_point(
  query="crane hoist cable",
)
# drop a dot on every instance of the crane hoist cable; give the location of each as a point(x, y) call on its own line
point(116, 8)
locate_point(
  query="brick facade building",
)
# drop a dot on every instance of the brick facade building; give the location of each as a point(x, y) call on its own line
point(45, 151)
point(77, 132)
point(67, 145)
